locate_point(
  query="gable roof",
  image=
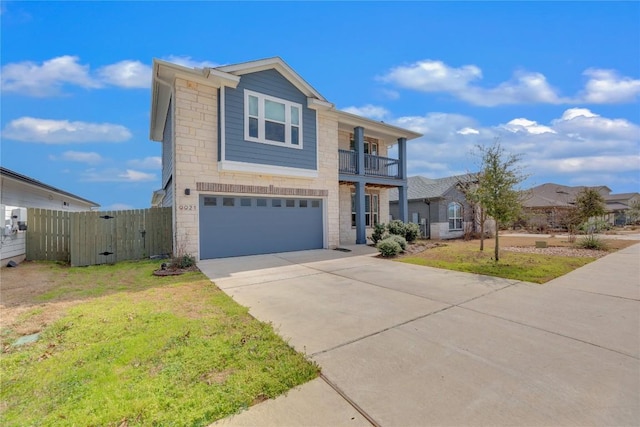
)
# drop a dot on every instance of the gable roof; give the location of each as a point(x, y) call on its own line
point(277, 64)
point(164, 74)
point(420, 188)
point(8, 173)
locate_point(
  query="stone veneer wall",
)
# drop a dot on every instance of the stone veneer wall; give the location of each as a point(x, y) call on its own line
point(196, 165)
point(347, 232)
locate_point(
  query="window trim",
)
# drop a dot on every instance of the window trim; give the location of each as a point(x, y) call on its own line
point(288, 123)
point(454, 218)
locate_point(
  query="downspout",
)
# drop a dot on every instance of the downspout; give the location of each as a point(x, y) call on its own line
point(427, 231)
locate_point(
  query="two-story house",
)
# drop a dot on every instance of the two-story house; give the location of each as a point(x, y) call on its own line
point(255, 160)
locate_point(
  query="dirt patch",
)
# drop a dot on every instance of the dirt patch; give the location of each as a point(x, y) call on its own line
point(22, 284)
point(19, 288)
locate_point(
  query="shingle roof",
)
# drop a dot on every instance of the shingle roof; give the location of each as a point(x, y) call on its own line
point(621, 196)
point(419, 187)
point(555, 195)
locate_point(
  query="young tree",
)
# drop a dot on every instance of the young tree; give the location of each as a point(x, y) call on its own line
point(589, 204)
point(498, 191)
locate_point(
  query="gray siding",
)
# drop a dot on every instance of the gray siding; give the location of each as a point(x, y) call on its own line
point(167, 147)
point(419, 207)
point(272, 83)
point(167, 200)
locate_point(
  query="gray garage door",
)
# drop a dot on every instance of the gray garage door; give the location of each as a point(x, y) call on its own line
point(236, 226)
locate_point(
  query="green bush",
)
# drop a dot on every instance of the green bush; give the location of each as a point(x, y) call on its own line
point(388, 247)
point(399, 240)
point(595, 226)
point(592, 242)
point(182, 261)
point(379, 231)
point(397, 227)
point(411, 232)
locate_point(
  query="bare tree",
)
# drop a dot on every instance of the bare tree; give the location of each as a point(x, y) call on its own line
point(497, 190)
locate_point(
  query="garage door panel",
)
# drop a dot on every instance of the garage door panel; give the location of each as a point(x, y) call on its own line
point(249, 230)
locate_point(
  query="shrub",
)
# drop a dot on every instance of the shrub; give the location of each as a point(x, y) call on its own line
point(411, 232)
point(397, 227)
point(595, 226)
point(399, 240)
point(592, 242)
point(388, 247)
point(379, 231)
point(182, 261)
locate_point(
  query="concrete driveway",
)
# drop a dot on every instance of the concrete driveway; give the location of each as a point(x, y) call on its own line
point(403, 345)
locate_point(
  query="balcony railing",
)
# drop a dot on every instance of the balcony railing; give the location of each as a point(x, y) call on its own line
point(373, 165)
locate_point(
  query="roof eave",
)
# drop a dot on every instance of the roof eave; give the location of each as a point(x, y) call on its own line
point(354, 120)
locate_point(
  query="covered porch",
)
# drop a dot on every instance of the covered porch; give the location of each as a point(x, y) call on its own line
point(365, 168)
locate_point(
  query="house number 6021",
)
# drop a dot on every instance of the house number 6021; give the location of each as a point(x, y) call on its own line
point(187, 207)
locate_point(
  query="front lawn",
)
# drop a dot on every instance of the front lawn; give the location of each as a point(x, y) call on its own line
point(118, 346)
point(537, 266)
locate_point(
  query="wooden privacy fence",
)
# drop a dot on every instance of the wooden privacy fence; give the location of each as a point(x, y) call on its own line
point(105, 237)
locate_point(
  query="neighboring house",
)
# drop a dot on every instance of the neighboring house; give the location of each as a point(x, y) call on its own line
point(437, 205)
point(547, 205)
point(255, 160)
point(618, 206)
point(20, 192)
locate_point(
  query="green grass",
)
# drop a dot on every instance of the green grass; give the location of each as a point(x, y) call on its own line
point(163, 351)
point(463, 256)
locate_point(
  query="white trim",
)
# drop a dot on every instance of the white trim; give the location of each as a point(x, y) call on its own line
point(317, 104)
point(288, 125)
point(223, 127)
point(317, 140)
point(347, 121)
point(277, 64)
point(232, 166)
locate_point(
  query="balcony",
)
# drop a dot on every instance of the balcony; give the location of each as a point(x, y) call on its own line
point(374, 166)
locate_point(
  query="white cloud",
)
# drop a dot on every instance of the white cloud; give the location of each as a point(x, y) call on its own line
point(571, 165)
point(433, 76)
point(608, 87)
point(30, 129)
point(577, 146)
point(468, 131)
point(527, 126)
point(51, 76)
point(117, 207)
point(117, 175)
point(46, 79)
point(91, 158)
point(126, 74)
point(154, 162)
point(370, 111)
point(525, 87)
point(582, 124)
point(136, 176)
point(187, 61)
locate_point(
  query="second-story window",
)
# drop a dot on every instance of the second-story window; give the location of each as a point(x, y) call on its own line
point(272, 120)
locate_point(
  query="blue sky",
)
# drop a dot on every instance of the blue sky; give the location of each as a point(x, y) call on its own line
point(558, 83)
